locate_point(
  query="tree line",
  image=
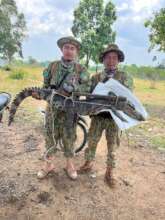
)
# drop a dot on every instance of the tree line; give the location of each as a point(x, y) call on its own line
point(93, 25)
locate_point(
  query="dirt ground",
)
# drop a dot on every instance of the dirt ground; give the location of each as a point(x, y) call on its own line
point(140, 175)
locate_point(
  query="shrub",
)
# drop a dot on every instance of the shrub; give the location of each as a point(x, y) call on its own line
point(18, 74)
point(7, 68)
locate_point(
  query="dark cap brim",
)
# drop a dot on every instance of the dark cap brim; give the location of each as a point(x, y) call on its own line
point(119, 52)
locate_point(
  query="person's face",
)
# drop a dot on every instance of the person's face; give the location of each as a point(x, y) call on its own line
point(111, 60)
point(69, 52)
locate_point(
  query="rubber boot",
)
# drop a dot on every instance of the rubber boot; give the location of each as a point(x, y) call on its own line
point(110, 181)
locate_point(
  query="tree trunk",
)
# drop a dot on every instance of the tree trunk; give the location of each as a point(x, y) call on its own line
point(96, 67)
point(87, 60)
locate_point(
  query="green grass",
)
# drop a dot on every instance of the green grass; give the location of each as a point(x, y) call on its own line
point(18, 74)
point(8, 84)
point(148, 95)
point(29, 109)
point(158, 142)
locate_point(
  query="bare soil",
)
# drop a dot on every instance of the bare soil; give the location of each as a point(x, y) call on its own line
point(140, 175)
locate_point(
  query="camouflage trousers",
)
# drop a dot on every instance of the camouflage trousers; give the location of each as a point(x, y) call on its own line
point(56, 130)
point(98, 125)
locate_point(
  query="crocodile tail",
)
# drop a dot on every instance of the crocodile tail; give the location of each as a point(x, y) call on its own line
point(42, 94)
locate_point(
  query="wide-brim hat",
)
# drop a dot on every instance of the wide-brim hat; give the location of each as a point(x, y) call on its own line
point(68, 40)
point(112, 48)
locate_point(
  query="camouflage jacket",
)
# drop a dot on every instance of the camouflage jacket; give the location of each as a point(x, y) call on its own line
point(122, 77)
point(57, 73)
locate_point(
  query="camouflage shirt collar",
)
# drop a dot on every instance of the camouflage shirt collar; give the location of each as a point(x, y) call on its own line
point(67, 64)
point(110, 73)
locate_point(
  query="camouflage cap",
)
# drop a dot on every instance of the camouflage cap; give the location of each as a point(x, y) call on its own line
point(68, 40)
point(112, 48)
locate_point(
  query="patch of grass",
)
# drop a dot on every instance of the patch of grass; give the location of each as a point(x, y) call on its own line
point(7, 68)
point(28, 109)
point(148, 95)
point(33, 78)
point(158, 142)
point(18, 74)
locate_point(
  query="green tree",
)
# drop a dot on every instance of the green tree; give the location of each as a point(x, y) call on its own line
point(162, 64)
point(32, 61)
point(12, 30)
point(93, 26)
point(157, 30)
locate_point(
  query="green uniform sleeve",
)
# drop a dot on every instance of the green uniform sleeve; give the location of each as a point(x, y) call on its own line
point(84, 81)
point(47, 76)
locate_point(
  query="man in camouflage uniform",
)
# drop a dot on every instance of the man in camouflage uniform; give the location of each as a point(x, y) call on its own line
point(103, 121)
point(63, 75)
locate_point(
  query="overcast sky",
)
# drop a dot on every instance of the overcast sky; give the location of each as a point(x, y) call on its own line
point(48, 20)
